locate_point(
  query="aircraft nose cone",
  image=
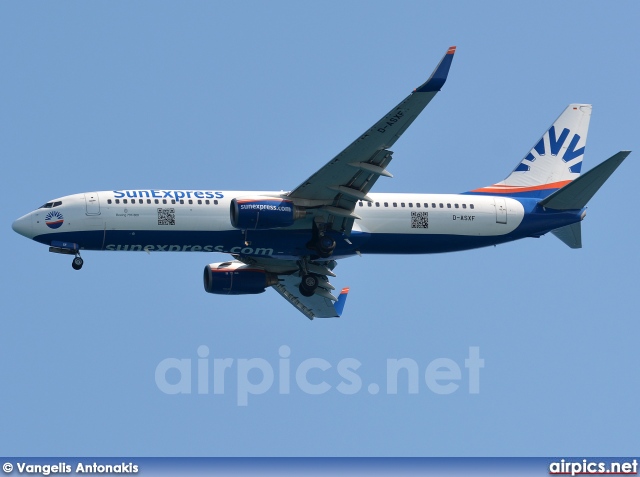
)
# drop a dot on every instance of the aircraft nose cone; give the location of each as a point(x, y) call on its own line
point(23, 226)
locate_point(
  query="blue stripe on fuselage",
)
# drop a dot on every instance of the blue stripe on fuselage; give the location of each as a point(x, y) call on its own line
point(271, 243)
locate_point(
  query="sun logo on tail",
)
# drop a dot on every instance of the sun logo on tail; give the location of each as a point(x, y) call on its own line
point(553, 144)
point(54, 219)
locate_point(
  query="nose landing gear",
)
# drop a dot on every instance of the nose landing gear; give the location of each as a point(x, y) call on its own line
point(77, 262)
point(68, 248)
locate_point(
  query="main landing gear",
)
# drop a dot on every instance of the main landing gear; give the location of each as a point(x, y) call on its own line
point(313, 277)
point(308, 285)
point(321, 242)
point(309, 282)
point(312, 274)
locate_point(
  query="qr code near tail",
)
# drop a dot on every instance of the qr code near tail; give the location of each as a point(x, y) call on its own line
point(419, 220)
point(166, 216)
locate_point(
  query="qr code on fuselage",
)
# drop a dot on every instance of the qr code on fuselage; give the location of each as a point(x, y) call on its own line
point(419, 220)
point(166, 216)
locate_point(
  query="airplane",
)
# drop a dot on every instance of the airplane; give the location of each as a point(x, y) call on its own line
point(291, 241)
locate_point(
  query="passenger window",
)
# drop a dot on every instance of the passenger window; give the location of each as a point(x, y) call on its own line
point(182, 201)
point(410, 204)
point(117, 201)
point(199, 202)
point(377, 204)
point(426, 205)
point(148, 201)
point(173, 201)
point(108, 201)
point(157, 201)
point(386, 204)
point(464, 206)
point(456, 206)
point(190, 202)
point(124, 201)
point(433, 205)
point(164, 201)
point(206, 201)
point(471, 206)
point(395, 204)
point(359, 204)
point(418, 204)
point(401, 204)
point(140, 201)
point(369, 204)
point(215, 202)
point(441, 205)
point(448, 206)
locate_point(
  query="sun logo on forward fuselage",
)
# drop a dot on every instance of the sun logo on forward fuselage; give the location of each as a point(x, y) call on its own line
point(54, 219)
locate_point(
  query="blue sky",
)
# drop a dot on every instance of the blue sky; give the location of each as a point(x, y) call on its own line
point(249, 95)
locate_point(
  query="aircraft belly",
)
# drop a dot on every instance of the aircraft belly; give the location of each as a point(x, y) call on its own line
point(428, 243)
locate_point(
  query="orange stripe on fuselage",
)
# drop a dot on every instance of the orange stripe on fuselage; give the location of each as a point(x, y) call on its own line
point(505, 189)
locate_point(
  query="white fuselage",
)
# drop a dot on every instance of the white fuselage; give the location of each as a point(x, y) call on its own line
point(157, 220)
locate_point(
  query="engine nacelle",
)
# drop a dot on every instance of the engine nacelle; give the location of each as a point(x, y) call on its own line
point(236, 278)
point(249, 213)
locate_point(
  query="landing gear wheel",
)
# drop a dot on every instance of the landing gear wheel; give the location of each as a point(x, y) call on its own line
point(308, 285)
point(326, 245)
point(77, 263)
point(321, 241)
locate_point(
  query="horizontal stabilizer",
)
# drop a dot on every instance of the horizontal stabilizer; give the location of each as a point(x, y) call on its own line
point(570, 234)
point(577, 193)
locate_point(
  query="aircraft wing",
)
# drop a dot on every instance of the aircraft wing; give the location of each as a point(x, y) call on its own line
point(334, 190)
point(349, 176)
point(324, 303)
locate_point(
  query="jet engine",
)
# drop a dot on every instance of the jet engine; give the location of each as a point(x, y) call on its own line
point(250, 213)
point(236, 278)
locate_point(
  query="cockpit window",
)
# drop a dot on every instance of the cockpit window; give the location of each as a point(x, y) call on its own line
point(49, 205)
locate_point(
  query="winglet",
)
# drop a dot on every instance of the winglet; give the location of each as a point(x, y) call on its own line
point(342, 299)
point(439, 75)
